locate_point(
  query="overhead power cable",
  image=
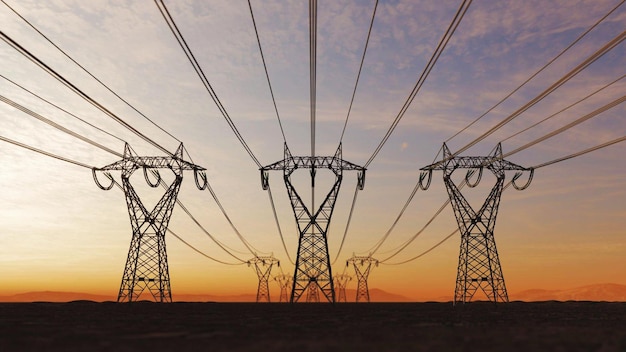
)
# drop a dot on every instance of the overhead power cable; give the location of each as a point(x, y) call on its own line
point(345, 233)
point(258, 39)
point(313, 67)
point(58, 157)
point(196, 66)
point(65, 111)
point(548, 163)
point(90, 100)
point(583, 152)
point(517, 150)
point(431, 63)
point(76, 90)
point(433, 247)
point(576, 70)
point(358, 76)
point(43, 152)
point(96, 144)
point(56, 125)
point(564, 109)
point(539, 71)
point(88, 72)
point(280, 232)
point(578, 121)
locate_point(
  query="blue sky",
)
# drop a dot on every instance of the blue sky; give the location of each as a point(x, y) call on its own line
point(58, 228)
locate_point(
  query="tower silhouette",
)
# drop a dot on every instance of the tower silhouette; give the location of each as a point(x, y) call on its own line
point(284, 281)
point(341, 281)
point(263, 268)
point(313, 272)
point(362, 267)
point(146, 268)
point(479, 265)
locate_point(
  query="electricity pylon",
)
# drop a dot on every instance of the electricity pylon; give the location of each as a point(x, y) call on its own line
point(284, 281)
point(362, 267)
point(479, 264)
point(146, 265)
point(341, 281)
point(263, 267)
point(313, 271)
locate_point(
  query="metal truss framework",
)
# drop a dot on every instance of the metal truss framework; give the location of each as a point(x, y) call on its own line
point(313, 270)
point(362, 267)
point(284, 281)
point(263, 267)
point(479, 264)
point(341, 281)
point(146, 266)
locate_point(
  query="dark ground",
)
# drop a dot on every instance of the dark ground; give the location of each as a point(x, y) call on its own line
point(478, 326)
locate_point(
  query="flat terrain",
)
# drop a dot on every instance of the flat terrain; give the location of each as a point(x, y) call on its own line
point(516, 326)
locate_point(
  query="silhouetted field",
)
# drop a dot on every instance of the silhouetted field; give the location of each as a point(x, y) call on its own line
point(516, 326)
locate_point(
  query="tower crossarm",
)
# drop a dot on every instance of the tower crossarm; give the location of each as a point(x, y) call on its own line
point(335, 163)
point(151, 162)
point(474, 162)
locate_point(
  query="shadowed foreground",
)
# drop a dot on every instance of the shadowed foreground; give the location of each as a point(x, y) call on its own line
point(516, 326)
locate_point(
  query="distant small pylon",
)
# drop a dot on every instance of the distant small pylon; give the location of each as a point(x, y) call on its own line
point(284, 281)
point(341, 281)
point(312, 294)
point(263, 268)
point(362, 267)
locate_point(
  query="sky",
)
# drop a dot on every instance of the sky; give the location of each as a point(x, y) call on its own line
point(60, 232)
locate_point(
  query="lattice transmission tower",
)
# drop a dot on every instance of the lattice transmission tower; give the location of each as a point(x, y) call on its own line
point(313, 272)
point(341, 281)
point(362, 268)
point(146, 268)
point(284, 281)
point(263, 268)
point(479, 265)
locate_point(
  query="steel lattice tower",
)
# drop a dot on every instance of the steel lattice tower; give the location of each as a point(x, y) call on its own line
point(146, 266)
point(313, 271)
point(479, 264)
point(263, 267)
point(362, 267)
point(341, 281)
point(284, 281)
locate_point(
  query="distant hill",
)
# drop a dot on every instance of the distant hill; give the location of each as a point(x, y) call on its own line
point(376, 295)
point(54, 296)
point(598, 292)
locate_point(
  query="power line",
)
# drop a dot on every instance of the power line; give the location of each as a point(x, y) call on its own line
point(564, 109)
point(76, 90)
point(576, 70)
point(282, 131)
point(517, 150)
point(345, 233)
point(548, 163)
point(539, 71)
point(358, 76)
point(58, 157)
point(313, 67)
point(56, 125)
point(431, 63)
point(196, 66)
point(280, 232)
point(88, 72)
point(583, 152)
point(43, 152)
point(65, 111)
point(96, 144)
point(580, 120)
